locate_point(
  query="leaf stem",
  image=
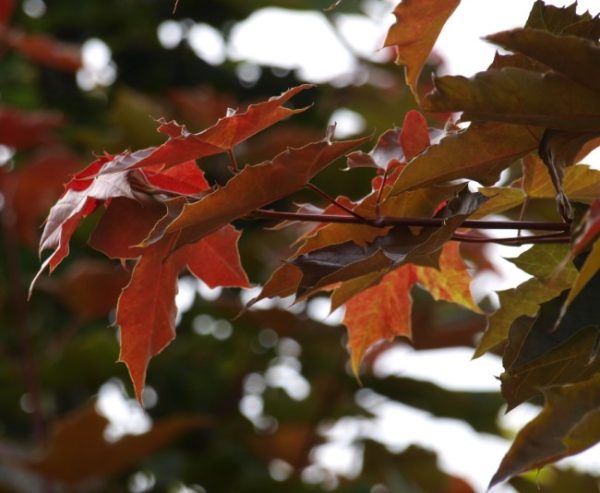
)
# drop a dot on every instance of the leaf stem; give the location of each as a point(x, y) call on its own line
point(514, 240)
point(329, 198)
point(233, 164)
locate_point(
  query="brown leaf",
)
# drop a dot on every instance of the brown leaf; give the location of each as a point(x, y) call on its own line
point(146, 310)
point(329, 265)
point(575, 57)
point(568, 424)
point(78, 452)
point(514, 95)
point(478, 153)
point(568, 363)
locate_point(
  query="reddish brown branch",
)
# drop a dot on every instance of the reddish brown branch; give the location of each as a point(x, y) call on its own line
point(384, 221)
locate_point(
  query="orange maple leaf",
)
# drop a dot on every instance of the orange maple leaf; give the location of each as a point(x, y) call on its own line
point(383, 312)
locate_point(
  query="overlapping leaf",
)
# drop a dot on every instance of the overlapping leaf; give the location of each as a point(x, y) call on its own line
point(545, 262)
point(568, 363)
point(101, 182)
point(347, 261)
point(478, 153)
point(146, 310)
point(135, 188)
point(391, 151)
point(556, 347)
point(383, 312)
point(577, 58)
point(254, 187)
point(589, 234)
point(581, 184)
point(565, 100)
point(568, 424)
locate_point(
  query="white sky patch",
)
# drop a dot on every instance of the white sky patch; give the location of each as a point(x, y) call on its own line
point(34, 8)
point(460, 42)
point(6, 155)
point(318, 309)
point(206, 292)
point(364, 35)
point(451, 368)
point(461, 450)
point(347, 123)
point(98, 67)
point(247, 295)
point(290, 39)
point(170, 34)
point(593, 159)
point(207, 43)
point(125, 416)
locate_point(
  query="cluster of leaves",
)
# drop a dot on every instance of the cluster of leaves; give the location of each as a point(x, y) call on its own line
point(160, 216)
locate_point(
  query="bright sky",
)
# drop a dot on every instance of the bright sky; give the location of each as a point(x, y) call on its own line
point(306, 42)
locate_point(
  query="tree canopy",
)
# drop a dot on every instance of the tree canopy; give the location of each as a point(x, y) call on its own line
point(163, 171)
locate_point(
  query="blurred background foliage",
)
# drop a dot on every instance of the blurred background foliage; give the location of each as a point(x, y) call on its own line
point(236, 404)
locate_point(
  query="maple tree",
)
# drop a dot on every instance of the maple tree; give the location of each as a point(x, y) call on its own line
point(183, 206)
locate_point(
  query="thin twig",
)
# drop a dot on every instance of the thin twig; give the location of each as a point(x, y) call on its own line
point(514, 240)
point(329, 198)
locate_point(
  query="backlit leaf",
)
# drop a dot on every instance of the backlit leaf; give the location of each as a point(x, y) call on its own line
point(418, 24)
point(383, 311)
point(581, 184)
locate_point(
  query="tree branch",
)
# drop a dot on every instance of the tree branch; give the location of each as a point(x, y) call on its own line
point(435, 222)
